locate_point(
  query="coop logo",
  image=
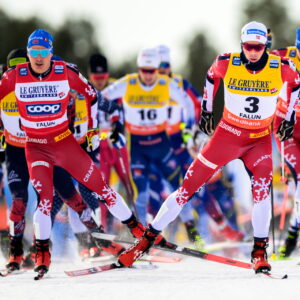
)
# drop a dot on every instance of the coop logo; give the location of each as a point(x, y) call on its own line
point(43, 109)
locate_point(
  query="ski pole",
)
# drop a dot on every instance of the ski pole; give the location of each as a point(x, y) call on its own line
point(128, 185)
point(282, 178)
point(273, 221)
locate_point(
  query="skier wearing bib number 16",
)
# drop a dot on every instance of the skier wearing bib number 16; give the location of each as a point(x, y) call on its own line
point(252, 80)
point(146, 98)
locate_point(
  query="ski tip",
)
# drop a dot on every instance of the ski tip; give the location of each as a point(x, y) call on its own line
point(40, 274)
point(285, 276)
point(39, 277)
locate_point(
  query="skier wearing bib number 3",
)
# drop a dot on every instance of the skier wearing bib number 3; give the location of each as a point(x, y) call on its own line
point(252, 80)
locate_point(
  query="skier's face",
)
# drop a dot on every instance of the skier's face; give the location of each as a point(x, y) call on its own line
point(40, 62)
point(253, 51)
point(99, 80)
point(148, 75)
point(164, 68)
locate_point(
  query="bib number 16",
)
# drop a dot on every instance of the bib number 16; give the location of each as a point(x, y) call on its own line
point(150, 114)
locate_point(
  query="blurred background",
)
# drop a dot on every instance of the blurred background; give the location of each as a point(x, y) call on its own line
point(195, 30)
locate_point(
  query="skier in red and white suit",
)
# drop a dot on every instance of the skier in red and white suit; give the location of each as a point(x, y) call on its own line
point(42, 91)
point(252, 81)
point(291, 147)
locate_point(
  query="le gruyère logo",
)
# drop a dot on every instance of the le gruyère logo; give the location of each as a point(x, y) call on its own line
point(45, 91)
point(249, 85)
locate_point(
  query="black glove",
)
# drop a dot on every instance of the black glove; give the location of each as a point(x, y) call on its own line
point(285, 130)
point(207, 123)
point(2, 141)
point(117, 137)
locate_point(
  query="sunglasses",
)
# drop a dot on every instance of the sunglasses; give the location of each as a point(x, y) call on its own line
point(255, 47)
point(164, 65)
point(99, 76)
point(148, 71)
point(41, 52)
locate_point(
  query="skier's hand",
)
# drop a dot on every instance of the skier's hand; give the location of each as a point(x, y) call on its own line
point(2, 141)
point(187, 137)
point(92, 139)
point(206, 123)
point(117, 137)
point(285, 130)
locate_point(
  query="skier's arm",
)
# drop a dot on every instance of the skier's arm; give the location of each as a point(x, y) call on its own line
point(94, 99)
point(182, 98)
point(195, 96)
point(7, 83)
point(291, 76)
point(213, 78)
point(115, 90)
point(280, 52)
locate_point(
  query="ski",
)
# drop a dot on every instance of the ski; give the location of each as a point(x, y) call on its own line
point(170, 247)
point(149, 258)
point(5, 273)
point(160, 259)
point(273, 276)
point(99, 259)
point(92, 270)
point(99, 269)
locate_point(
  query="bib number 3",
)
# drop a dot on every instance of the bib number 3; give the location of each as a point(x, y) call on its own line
point(253, 105)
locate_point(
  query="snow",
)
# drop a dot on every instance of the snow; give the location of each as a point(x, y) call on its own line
point(191, 278)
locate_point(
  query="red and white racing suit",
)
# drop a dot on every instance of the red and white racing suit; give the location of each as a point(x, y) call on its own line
point(292, 145)
point(243, 132)
point(42, 103)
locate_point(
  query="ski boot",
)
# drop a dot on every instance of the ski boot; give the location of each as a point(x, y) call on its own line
point(86, 245)
point(259, 257)
point(137, 250)
point(108, 246)
point(136, 228)
point(193, 235)
point(15, 253)
point(289, 244)
point(43, 256)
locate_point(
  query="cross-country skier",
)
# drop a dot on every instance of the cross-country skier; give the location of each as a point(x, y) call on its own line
point(252, 81)
point(291, 147)
point(42, 91)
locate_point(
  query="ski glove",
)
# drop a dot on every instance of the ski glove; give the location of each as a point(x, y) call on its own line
point(117, 137)
point(92, 139)
point(187, 137)
point(285, 130)
point(2, 141)
point(206, 123)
